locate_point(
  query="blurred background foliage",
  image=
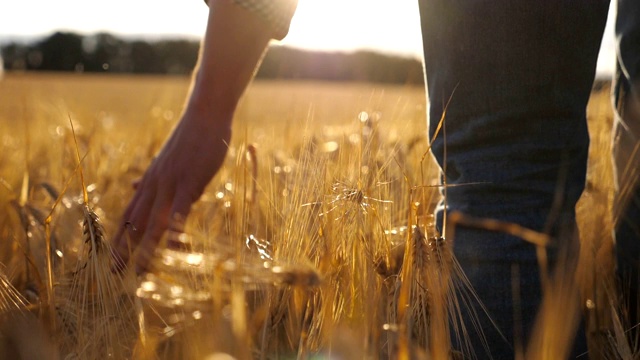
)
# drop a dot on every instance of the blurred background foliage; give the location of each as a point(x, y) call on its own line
point(103, 52)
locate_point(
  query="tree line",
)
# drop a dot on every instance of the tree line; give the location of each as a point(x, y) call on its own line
point(106, 53)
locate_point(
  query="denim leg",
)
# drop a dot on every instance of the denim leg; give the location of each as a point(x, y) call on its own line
point(517, 75)
point(626, 155)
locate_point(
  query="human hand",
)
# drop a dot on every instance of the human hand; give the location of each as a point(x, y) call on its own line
point(193, 154)
point(233, 45)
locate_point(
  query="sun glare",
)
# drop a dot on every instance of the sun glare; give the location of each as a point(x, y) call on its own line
point(356, 24)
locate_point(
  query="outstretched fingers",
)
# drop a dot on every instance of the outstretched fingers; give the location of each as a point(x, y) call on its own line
point(167, 213)
point(134, 223)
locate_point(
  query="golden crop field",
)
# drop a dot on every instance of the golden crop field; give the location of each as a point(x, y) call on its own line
point(296, 249)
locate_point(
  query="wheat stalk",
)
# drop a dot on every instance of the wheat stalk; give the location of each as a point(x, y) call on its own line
point(96, 308)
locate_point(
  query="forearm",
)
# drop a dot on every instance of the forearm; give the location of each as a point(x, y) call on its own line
point(234, 43)
point(231, 51)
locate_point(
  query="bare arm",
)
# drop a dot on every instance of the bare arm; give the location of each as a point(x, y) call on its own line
point(234, 42)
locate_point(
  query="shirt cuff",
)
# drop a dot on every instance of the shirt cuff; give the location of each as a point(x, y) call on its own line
point(277, 13)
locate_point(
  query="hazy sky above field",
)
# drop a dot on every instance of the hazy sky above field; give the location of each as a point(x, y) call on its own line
point(383, 25)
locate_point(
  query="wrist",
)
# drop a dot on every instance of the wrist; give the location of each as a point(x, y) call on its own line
point(212, 92)
point(209, 101)
point(206, 119)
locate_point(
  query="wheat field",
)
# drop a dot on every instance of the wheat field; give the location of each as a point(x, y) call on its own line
point(311, 242)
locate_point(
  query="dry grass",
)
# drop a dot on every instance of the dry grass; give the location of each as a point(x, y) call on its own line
point(314, 238)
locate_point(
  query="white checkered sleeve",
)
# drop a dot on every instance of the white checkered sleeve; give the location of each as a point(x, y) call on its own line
point(277, 13)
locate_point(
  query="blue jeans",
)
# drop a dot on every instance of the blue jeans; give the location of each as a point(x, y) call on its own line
point(518, 74)
point(626, 156)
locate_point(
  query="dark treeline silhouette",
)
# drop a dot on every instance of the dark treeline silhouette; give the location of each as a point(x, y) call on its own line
point(289, 63)
point(102, 52)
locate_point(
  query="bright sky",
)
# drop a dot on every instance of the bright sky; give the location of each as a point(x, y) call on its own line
point(382, 25)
